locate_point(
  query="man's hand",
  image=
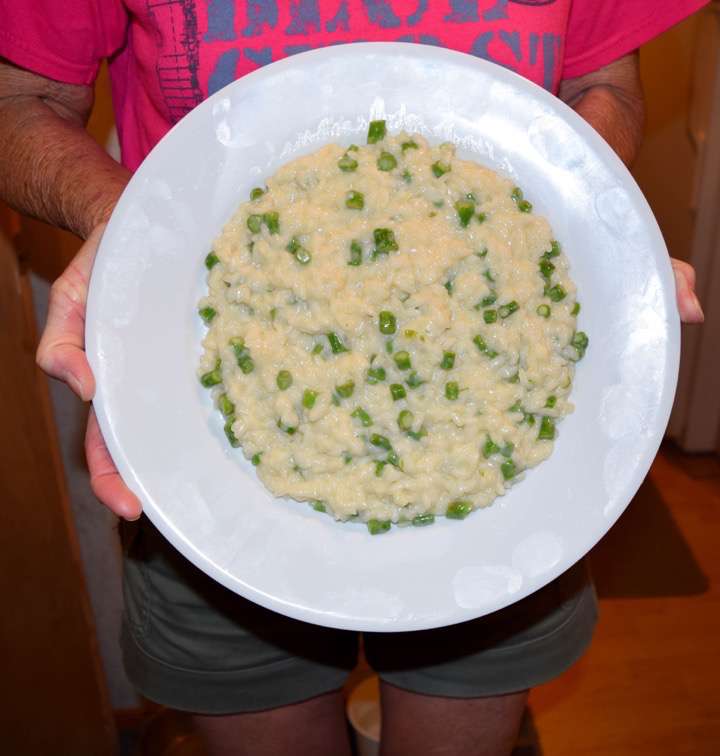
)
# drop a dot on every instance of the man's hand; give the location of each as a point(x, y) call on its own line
point(611, 101)
point(61, 354)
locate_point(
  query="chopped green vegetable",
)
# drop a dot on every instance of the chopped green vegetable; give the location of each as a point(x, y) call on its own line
point(402, 360)
point(524, 206)
point(254, 223)
point(336, 344)
point(211, 260)
point(575, 309)
point(414, 380)
point(448, 287)
point(407, 176)
point(448, 361)
point(409, 145)
point(547, 429)
point(421, 520)
point(551, 401)
point(465, 210)
point(387, 322)
point(362, 416)
point(353, 148)
point(242, 354)
point(375, 375)
point(385, 241)
point(383, 442)
point(452, 390)
point(439, 168)
point(355, 253)
point(272, 222)
point(212, 377)
point(554, 250)
point(318, 506)
point(231, 437)
point(289, 429)
point(417, 435)
point(506, 310)
point(405, 420)
point(479, 342)
point(516, 195)
point(347, 164)
point(458, 510)
point(296, 249)
point(580, 341)
point(256, 458)
point(556, 293)
point(317, 349)
point(309, 398)
point(389, 346)
point(376, 132)
point(543, 311)
point(256, 193)
point(481, 218)
point(546, 268)
point(490, 299)
point(490, 316)
point(355, 200)
point(397, 391)
point(225, 405)
point(207, 314)
point(508, 469)
point(483, 252)
point(284, 380)
point(386, 162)
point(393, 459)
point(490, 448)
point(346, 389)
point(378, 527)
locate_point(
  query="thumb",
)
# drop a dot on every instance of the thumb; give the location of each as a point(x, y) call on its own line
point(61, 352)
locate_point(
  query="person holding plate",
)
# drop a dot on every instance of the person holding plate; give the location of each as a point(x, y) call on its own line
point(259, 683)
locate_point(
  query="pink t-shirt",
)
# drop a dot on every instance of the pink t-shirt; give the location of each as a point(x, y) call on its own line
point(166, 56)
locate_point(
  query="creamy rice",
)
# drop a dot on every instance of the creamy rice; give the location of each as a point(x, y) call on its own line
point(476, 298)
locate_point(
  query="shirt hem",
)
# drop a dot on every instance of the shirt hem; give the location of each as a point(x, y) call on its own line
point(617, 47)
point(20, 54)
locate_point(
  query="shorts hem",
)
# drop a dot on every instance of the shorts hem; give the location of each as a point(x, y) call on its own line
point(543, 659)
point(221, 692)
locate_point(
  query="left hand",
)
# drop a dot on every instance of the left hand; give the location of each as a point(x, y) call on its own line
point(687, 301)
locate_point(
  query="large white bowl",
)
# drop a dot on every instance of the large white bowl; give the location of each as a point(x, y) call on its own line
point(143, 340)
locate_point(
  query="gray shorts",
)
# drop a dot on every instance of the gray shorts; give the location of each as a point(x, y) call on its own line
point(191, 644)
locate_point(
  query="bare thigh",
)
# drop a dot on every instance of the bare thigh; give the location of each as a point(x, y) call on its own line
point(310, 728)
point(438, 726)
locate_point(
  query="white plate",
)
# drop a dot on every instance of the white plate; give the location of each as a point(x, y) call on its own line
point(143, 340)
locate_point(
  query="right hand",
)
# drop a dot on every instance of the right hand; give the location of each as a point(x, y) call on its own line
point(61, 354)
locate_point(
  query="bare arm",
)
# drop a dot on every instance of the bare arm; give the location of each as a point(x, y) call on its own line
point(611, 101)
point(49, 166)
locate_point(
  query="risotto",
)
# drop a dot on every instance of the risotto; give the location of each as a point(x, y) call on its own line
point(391, 332)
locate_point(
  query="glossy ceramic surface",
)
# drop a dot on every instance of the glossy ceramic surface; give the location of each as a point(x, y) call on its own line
point(143, 340)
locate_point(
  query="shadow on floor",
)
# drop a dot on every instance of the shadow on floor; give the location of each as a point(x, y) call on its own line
point(645, 554)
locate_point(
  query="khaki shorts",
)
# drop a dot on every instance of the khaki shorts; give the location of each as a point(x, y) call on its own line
point(191, 644)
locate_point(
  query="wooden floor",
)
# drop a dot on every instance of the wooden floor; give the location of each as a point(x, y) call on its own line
point(650, 683)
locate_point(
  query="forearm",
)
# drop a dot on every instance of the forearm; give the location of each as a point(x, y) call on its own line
point(618, 122)
point(611, 101)
point(49, 166)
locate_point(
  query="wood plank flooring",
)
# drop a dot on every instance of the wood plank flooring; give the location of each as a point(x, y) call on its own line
point(650, 683)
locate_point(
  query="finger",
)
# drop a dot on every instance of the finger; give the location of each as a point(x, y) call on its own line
point(687, 301)
point(61, 352)
point(105, 480)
